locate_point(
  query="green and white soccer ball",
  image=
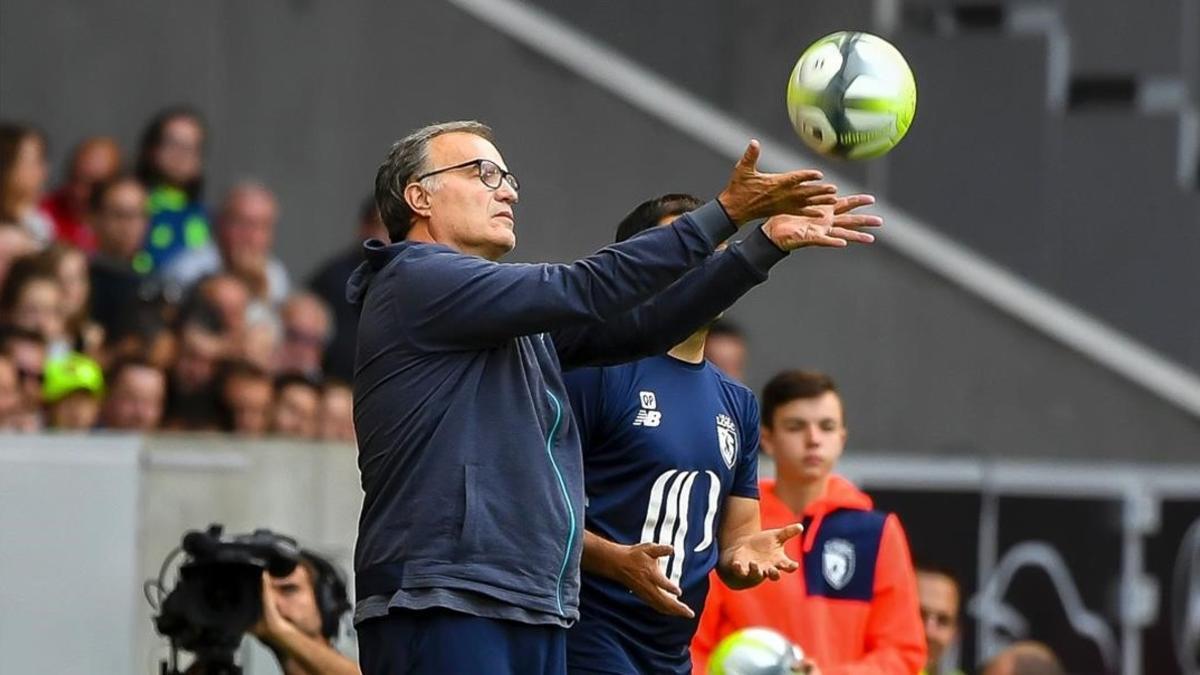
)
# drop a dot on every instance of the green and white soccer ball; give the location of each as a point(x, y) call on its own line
point(851, 95)
point(755, 651)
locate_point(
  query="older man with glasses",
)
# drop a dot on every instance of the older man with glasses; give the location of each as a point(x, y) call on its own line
point(469, 539)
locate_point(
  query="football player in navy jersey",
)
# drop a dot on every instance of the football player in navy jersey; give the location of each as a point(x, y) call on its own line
point(670, 452)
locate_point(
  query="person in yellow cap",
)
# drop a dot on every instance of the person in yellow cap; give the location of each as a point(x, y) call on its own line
point(72, 391)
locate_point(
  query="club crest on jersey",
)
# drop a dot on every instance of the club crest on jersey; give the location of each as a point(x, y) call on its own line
point(648, 416)
point(727, 439)
point(837, 562)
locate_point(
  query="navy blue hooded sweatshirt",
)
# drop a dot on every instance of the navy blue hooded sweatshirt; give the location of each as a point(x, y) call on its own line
point(469, 455)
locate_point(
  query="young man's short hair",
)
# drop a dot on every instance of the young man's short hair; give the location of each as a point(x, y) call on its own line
point(649, 213)
point(791, 385)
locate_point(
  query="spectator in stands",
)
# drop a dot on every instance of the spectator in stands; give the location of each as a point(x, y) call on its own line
point(15, 243)
point(32, 299)
point(119, 220)
point(11, 406)
point(330, 284)
point(230, 297)
point(939, 598)
point(96, 160)
point(142, 334)
point(306, 328)
point(297, 403)
point(136, 394)
point(247, 394)
point(337, 412)
point(1025, 658)
point(170, 164)
point(22, 179)
point(260, 345)
point(244, 238)
point(70, 265)
point(192, 402)
point(73, 389)
point(726, 348)
point(27, 350)
point(853, 608)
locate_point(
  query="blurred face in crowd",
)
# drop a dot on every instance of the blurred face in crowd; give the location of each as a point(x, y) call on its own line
point(97, 160)
point(135, 399)
point(296, 411)
point(15, 242)
point(77, 411)
point(249, 399)
point(10, 392)
point(29, 357)
point(230, 297)
point(40, 308)
point(296, 600)
point(938, 596)
point(179, 157)
point(121, 221)
point(75, 283)
point(196, 363)
point(727, 352)
point(458, 209)
point(806, 437)
point(337, 414)
point(306, 326)
point(247, 230)
point(28, 177)
point(260, 344)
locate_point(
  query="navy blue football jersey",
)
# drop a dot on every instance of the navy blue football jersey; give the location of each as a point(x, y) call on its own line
point(665, 443)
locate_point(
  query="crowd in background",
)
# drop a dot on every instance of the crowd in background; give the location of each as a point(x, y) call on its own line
point(130, 301)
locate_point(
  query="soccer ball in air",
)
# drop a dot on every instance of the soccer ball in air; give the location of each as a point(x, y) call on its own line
point(755, 651)
point(851, 95)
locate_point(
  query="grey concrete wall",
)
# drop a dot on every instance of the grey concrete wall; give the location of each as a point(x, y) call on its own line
point(307, 94)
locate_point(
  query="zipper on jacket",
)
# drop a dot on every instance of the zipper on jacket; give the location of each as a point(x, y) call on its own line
point(562, 485)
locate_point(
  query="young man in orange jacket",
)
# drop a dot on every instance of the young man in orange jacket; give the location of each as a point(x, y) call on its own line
point(853, 606)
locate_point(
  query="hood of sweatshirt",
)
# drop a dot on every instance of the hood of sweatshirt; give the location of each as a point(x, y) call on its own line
point(376, 256)
point(839, 493)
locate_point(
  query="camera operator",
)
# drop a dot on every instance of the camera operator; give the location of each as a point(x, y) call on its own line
point(301, 614)
point(300, 617)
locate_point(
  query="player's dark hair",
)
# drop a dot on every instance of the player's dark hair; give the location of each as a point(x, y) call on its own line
point(408, 158)
point(726, 328)
point(791, 385)
point(649, 213)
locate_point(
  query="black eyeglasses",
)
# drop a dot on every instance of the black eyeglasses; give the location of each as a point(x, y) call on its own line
point(490, 174)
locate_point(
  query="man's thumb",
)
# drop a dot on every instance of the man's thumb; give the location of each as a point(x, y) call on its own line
point(749, 160)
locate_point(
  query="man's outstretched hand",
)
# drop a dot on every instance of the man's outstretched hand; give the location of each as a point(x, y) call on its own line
point(752, 194)
point(837, 226)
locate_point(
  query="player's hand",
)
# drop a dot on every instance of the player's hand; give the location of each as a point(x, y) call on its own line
point(638, 569)
point(761, 556)
point(272, 626)
point(752, 194)
point(809, 667)
point(837, 226)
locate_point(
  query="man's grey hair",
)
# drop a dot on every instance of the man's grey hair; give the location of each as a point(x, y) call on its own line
point(409, 157)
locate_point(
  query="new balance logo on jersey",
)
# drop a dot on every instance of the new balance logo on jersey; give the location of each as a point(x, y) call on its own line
point(648, 416)
point(727, 439)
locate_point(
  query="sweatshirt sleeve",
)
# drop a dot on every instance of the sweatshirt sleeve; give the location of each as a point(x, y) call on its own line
point(895, 638)
point(675, 313)
point(455, 301)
